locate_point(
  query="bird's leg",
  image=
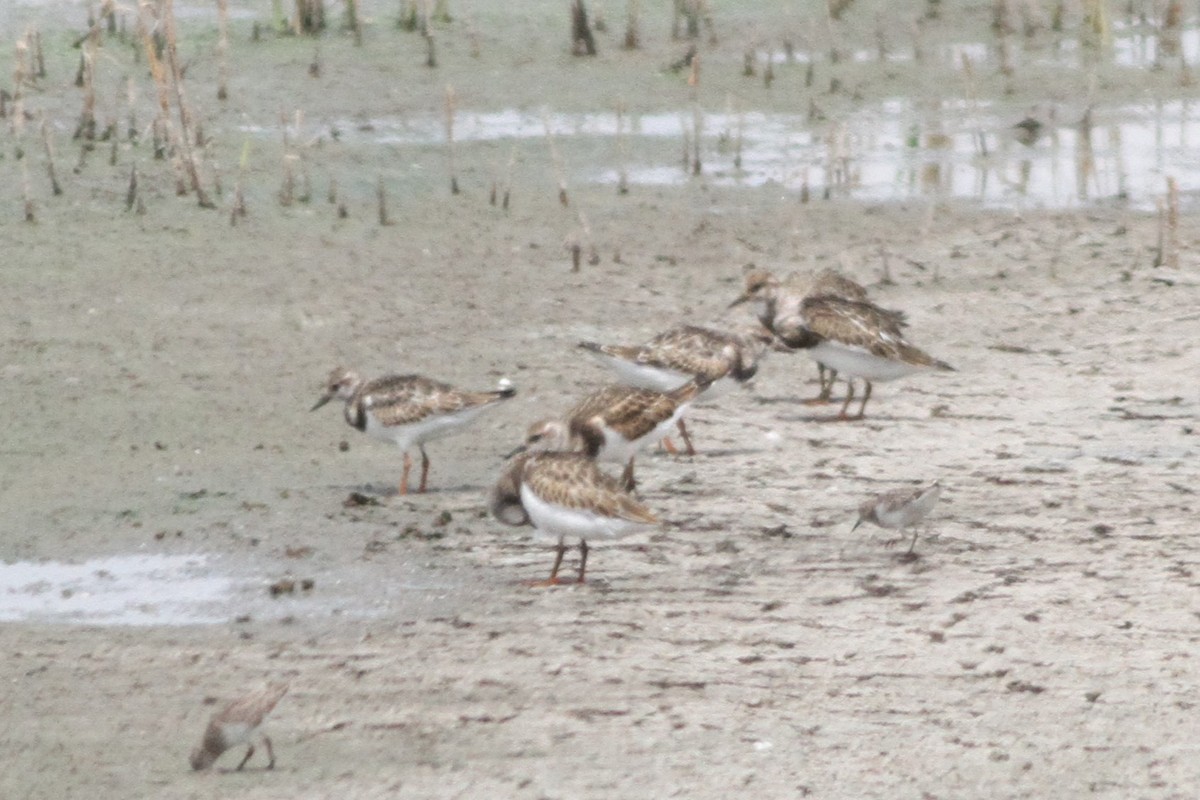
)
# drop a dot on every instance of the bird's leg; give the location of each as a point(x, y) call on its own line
point(827, 377)
point(687, 440)
point(669, 446)
point(849, 396)
point(404, 474)
point(913, 543)
point(627, 481)
point(559, 550)
point(425, 468)
point(583, 553)
point(270, 752)
point(866, 396)
point(249, 752)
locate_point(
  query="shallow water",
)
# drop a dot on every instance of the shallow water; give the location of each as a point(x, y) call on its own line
point(896, 150)
point(201, 590)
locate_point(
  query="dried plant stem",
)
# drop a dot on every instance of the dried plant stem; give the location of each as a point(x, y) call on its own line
point(1172, 255)
point(86, 130)
point(585, 226)
point(508, 176)
point(189, 158)
point(973, 97)
point(738, 136)
point(49, 148)
point(633, 38)
point(222, 49)
point(622, 150)
point(559, 171)
point(450, 108)
point(582, 41)
point(131, 194)
point(381, 197)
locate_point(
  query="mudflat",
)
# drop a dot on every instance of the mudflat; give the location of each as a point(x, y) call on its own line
point(159, 367)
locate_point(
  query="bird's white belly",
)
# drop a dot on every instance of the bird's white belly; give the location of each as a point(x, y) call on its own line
point(421, 431)
point(557, 523)
point(235, 733)
point(859, 363)
point(618, 449)
point(645, 376)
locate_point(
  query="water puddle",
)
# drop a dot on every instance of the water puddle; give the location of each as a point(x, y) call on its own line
point(200, 590)
point(118, 590)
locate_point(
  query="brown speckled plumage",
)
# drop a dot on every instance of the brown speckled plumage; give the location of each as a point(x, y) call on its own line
point(564, 482)
point(694, 350)
point(865, 326)
point(407, 409)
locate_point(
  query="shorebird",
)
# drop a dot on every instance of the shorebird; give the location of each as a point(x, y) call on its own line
point(565, 495)
point(674, 357)
point(236, 724)
point(616, 422)
point(899, 509)
point(779, 306)
point(858, 339)
point(408, 410)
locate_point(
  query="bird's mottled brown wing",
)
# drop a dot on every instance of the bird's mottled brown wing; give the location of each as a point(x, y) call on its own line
point(834, 284)
point(572, 480)
point(252, 708)
point(633, 412)
point(694, 350)
point(863, 325)
point(404, 399)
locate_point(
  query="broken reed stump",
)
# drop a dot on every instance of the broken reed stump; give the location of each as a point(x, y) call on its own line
point(450, 107)
point(508, 176)
point(556, 157)
point(633, 38)
point(622, 150)
point(381, 197)
point(430, 51)
point(49, 148)
point(222, 49)
point(582, 41)
point(131, 194)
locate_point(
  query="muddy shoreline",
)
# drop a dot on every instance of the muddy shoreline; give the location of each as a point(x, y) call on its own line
point(160, 368)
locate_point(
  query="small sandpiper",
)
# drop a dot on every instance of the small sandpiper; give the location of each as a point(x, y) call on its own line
point(236, 724)
point(408, 410)
point(671, 359)
point(899, 509)
point(616, 422)
point(565, 495)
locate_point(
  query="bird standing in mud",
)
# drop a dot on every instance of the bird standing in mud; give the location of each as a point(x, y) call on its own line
point(674, 357)
point(900, 508)
point(565, 495)
point(408, 410)
point(236, 724)
point(616, 422)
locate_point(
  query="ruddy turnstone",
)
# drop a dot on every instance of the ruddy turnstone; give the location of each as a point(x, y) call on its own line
point(671, 359)
point(900, 508)
point(861, 340)
point(565, 495)
point(408, 410)
point(778, 306)
point(614, 423)
point(235, 724)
